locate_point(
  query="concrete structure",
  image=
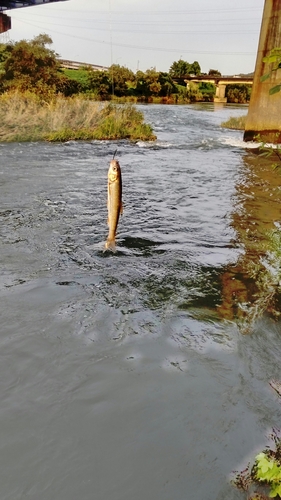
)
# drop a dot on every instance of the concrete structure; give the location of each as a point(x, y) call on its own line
point(264, 119)
point(65, 63)
point(220, 82)
point(5, 21)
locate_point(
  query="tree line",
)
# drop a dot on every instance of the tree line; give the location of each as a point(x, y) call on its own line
point(32, 66)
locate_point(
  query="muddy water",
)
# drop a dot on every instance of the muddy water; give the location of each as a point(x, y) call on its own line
point(130, 376)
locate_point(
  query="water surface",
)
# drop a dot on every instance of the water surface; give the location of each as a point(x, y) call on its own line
point(128, 376)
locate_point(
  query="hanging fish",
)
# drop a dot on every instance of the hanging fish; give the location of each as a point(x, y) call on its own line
point(114, 202)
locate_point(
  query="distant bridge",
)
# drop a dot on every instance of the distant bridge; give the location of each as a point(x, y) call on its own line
point(5, 21)
point(220, 82)
point(65, 63)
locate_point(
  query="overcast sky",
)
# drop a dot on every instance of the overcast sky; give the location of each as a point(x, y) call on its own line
point(142, 34)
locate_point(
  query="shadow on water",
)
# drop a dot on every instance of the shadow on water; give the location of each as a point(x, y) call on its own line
point(250, 287)
point(240, 291)
point(141, 246)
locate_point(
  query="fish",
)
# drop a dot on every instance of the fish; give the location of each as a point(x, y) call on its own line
point(114, 202)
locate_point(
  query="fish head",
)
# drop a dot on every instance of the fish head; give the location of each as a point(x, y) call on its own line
point(114, 171)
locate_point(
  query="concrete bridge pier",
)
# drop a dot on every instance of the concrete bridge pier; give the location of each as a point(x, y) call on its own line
point(5, 22)
point(263, 121)
point(220, 93)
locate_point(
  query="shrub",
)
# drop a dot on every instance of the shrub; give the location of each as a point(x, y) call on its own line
point(25, 117)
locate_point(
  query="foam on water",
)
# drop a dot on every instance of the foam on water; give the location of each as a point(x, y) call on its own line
point(239, 143)
point(155, 144)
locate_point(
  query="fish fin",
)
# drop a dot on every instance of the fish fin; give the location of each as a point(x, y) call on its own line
point(110, 245)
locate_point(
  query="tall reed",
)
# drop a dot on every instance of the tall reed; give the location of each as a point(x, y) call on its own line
point(27, 117)
point(235, 122)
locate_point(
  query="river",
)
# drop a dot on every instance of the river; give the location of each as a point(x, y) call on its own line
point(132, 376)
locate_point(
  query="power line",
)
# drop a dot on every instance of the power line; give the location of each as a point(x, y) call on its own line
point(189, 19)
point(187, 32)
point(156, 49)
point(105, 23)
point(156, 12)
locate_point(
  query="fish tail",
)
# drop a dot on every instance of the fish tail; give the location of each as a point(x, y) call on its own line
point(110, 244)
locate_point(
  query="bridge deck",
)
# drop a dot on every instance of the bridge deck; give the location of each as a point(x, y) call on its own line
point(219, 80)
point(16, 4)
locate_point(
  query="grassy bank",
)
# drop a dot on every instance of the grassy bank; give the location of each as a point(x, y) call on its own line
point(235, 122)
point(25, 117)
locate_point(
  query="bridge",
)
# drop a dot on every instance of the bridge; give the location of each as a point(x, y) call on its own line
point(5, 20)
point(220, 82)
point(66, 63)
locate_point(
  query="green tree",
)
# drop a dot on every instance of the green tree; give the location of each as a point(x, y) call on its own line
point(214, 72)
point(167, 85)
point(238, 93)
point(179, 69)
point(122, 79)
point(208, 91)
point(195, 68)
point(147, 83)
point(193, 92)
point(100, 84)
point(31, 66)
point(4, 53)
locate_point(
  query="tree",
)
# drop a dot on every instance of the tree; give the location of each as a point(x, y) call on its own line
point(31, 66)
point(195, 68)
point(179, 68)
point(122, 78)
point(167, 85)
point(214, 72)
point(42, 40)
point(239, 93)
point(4, 53)
point(100, 83)
point(193, 92)
point(147, 84)
point(182, 68)
point(207, 90)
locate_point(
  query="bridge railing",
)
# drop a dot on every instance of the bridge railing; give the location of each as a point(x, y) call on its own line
point(65, 63)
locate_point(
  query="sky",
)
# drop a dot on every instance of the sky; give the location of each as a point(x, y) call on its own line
point(144, 34)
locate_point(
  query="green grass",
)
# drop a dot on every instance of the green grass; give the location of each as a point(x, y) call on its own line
point(79, 75)
point(26, 117)
point(235, 122)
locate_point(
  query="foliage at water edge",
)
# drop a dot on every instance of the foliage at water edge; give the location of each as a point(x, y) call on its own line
point(27, 117)
point(263, 479)
point(34, 66)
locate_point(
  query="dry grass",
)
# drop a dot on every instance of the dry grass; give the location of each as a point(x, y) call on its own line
point(26, 117)
point(235, 122)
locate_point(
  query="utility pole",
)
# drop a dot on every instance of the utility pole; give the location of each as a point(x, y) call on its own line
point(111, 48)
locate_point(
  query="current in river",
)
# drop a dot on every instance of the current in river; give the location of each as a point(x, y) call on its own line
point(144, 374)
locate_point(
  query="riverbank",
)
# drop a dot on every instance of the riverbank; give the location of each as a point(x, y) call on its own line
point(26, 117)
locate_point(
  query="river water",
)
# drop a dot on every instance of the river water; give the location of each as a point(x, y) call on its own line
point(130, 376)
